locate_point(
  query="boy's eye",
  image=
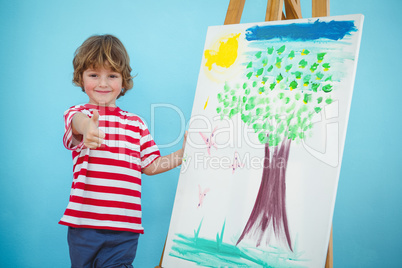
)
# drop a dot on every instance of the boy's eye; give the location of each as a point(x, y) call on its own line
point(114, 76)
point(92, 75)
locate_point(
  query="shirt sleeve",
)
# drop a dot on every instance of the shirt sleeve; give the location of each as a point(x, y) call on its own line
point(149, 150)
point(68, 139)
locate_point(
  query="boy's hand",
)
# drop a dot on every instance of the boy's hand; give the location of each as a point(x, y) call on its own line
point(184, 141)
point(93, 136)
point(167, 162)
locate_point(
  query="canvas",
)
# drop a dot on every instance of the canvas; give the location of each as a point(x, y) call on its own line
point(258, 183)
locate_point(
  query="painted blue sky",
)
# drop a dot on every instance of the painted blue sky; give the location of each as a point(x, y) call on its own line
point(333, 30)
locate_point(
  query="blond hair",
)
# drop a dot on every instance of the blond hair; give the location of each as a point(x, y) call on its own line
point(103, 51)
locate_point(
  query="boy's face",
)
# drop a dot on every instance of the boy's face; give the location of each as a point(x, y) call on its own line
point(102, 86)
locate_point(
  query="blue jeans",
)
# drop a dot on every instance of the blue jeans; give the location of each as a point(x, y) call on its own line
point(93, 248)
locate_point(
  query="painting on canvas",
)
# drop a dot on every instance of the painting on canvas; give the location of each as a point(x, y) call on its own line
point(266, 137)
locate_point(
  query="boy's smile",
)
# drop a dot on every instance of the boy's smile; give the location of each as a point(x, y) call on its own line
point(102, 86)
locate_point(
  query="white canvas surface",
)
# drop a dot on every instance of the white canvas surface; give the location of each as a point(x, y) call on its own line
point(314, 162)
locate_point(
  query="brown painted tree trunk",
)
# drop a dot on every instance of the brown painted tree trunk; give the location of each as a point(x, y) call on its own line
point(268, 216)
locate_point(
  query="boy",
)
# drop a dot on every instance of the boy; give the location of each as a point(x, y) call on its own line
point(110, 150)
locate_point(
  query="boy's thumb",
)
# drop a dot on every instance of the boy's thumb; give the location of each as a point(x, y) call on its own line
point(95, 117)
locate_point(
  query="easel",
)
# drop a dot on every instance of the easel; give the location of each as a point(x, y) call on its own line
point(320, 8)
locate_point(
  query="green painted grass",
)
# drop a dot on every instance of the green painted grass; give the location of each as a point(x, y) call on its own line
point(216, 253)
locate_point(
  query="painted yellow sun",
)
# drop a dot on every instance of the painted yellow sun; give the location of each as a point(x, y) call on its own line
point(226, 53)
point(221, 57)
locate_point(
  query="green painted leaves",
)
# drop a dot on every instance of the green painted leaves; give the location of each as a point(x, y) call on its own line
point(282, 89)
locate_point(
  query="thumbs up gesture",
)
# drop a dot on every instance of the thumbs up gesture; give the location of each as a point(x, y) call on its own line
point(93, 136)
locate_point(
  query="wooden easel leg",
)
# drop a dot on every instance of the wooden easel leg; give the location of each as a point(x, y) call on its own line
point(320, 8)
point(293, 9)
point(235, 10)
point(274, 10)
point(330, 254)
point(163, 252)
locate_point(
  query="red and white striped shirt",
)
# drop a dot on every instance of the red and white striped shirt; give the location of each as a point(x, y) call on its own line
point(106, 189)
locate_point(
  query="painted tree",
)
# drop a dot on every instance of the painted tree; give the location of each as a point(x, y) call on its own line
point(282, 88)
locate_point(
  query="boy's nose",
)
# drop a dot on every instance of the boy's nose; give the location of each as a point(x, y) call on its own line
point(102, 82)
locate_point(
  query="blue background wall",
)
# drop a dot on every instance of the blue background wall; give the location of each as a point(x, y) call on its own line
point(165, 40)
